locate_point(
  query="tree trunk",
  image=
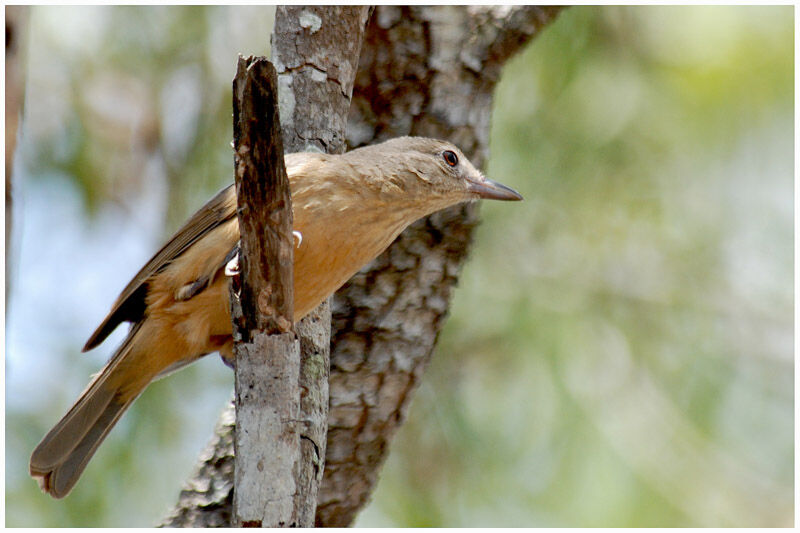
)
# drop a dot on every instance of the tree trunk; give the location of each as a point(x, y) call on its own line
point(427, 71)
point(424, 70)
point(316, 72)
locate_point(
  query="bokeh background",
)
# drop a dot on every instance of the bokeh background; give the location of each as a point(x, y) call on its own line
point(620, 346)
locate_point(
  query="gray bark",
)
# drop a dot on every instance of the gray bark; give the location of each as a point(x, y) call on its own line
point(268, 462)
point(316, 71)
point(316, 50)
point(424, 70)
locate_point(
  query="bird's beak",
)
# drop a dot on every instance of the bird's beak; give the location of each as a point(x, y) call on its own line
point(491, 190)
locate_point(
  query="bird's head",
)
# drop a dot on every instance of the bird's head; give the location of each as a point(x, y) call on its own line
point(431, 173)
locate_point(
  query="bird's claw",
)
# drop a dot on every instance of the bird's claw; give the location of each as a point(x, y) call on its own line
point(232, 267)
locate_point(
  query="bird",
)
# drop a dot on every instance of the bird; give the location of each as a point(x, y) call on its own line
point(347, 209)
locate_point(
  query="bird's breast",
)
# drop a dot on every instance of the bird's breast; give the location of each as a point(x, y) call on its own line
point(332, 251)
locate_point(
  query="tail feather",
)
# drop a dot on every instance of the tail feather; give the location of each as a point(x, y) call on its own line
point(59, 478)
point(64, 452)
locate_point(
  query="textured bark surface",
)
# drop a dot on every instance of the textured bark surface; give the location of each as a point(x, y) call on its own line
point(315, 50)
point(424, 70)
point(316, 72)
point(267, 492)
point(264, 203)
point(268, 462)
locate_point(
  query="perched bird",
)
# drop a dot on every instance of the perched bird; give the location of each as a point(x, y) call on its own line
point(347, 209)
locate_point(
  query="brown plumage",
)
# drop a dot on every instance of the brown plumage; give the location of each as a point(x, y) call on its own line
point(348, 209)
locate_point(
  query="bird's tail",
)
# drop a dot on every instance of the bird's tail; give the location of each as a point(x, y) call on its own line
point(60, 458)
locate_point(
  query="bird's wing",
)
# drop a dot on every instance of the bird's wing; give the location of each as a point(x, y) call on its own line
point(130, 305)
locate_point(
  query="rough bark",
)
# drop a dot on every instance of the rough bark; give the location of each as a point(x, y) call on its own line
point(427, 71)
point(424, 70)
point(316, 50)
point(316, 71)
point(264, 203)
point(268, 462)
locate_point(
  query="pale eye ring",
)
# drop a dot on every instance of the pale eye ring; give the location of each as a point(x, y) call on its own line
point(450, 157)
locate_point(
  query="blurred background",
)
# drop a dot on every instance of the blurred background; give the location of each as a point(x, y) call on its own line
point(631, 361)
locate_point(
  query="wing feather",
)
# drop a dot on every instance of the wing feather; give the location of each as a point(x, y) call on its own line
point(130, 304)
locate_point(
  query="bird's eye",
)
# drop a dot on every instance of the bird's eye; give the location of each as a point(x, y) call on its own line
point(450, 158)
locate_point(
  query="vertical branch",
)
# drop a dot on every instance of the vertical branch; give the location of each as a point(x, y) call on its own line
point(429, 71)
point(266, 441)
point(425, 70)
point(316, 50)
point(264, 201)
point(316, 53)
point(316, 72)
